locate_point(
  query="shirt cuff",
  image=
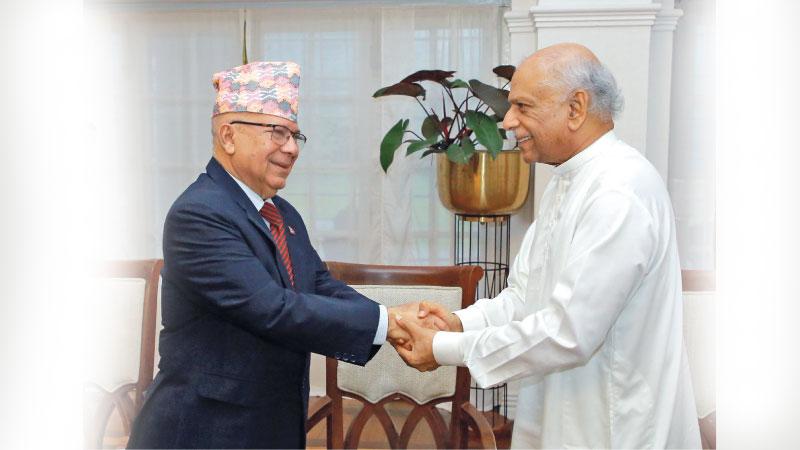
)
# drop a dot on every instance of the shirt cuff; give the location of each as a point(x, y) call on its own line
point(471, 319)
point(383, 326)
point(447, 348)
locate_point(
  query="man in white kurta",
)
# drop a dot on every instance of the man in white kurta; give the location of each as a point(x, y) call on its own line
point(591, 320)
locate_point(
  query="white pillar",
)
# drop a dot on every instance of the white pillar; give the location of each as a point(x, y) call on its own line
point(692, 132)
point(657, 148)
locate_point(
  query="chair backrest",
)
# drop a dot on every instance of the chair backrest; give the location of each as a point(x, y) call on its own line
point(386, 378)
point(699, 331)
point(120, 346)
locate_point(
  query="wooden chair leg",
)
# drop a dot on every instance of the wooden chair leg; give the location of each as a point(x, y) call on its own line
point(336, 425)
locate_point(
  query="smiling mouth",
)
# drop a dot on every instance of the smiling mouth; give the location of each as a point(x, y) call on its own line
point(521, 140)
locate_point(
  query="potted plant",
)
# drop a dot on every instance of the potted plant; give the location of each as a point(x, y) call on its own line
point(474, 174)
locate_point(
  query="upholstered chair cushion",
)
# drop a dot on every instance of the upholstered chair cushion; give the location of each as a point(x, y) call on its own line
point(386, 373)
point(114, 332)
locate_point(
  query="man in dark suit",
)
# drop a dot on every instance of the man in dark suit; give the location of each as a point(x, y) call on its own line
point(245, 297)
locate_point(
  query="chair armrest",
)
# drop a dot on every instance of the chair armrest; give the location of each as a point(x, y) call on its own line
point(478, 422)
point(318, 409)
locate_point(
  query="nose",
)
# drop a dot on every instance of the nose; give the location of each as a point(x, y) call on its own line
point(291, 148)
point(510, 120)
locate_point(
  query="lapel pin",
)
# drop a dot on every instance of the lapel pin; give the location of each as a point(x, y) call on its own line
point(291, 230)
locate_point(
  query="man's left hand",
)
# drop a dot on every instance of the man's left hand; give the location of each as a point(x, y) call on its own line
point(420, 353)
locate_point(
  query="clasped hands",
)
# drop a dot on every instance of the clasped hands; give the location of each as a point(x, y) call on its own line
point(411, 330)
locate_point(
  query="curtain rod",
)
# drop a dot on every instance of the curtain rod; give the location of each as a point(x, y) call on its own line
point(175, 5)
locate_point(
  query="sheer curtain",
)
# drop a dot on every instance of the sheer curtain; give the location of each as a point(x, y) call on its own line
point(149, 81)
point(153, 116)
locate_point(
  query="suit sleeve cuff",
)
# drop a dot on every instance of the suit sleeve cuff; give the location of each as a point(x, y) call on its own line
point(447, 348)
point(383, 326)
point(471, 318)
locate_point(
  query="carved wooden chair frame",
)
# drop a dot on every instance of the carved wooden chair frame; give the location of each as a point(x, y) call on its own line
point(150, 271)
point(464, 415)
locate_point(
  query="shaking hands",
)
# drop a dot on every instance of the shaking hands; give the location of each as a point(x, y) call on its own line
point(411, 330)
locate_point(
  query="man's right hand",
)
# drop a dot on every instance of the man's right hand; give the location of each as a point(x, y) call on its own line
point(410, 311)
point(430, 308)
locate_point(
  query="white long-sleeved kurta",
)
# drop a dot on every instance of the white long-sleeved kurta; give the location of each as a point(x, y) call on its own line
point(591, 320)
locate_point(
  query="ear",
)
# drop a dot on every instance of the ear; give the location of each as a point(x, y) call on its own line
point(225, 136)
point(578, 109)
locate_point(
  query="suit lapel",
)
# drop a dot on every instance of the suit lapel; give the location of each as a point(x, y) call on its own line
point(258, 222)
point(219, 175)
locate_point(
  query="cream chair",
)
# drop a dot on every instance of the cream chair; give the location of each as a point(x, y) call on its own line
point(699, 324)
point(386, 378)
point(120, 346)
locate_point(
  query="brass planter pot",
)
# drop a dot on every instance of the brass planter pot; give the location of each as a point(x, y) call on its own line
point(483, 186)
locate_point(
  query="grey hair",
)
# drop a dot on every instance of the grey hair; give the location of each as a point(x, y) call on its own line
point(605, 98)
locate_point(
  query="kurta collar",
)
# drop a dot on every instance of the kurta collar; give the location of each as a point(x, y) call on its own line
point(586, 154)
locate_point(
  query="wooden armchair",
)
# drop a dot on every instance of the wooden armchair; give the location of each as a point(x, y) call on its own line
point(120, 347)
point(386, 378)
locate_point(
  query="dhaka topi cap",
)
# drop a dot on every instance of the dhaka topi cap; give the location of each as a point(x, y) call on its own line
point(261, 87)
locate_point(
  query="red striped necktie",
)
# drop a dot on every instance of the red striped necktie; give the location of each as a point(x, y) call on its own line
point(273, 216)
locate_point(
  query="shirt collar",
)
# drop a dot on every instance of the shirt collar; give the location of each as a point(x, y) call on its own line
point(258, 202)
point(585, 155)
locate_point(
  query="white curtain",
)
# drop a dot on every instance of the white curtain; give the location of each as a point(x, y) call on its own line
point(152, 70)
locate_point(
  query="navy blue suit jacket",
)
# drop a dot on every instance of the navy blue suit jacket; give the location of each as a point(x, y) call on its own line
point(237, 337)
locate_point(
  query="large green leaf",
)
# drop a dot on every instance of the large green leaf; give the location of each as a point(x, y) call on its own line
point(497, 99)
point(391, 142)
point(438, 76)
point(505, 71)
point(418, 145)
point(458, 154)
point(430, 127)
point(401, 88)
point(486, 131)
point(467, 147)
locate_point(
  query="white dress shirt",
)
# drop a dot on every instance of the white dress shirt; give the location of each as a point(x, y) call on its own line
point(258, 202)
point(591, 321)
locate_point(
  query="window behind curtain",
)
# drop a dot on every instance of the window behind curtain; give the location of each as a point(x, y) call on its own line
point(354, 212)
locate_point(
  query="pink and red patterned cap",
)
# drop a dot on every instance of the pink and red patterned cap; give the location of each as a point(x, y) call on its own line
point(270, 87)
